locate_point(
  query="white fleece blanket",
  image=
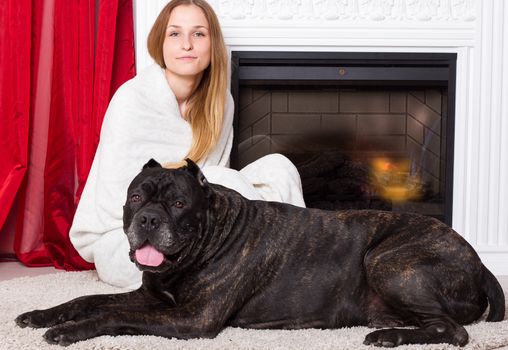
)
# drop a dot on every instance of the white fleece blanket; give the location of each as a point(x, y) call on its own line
point(143, 121)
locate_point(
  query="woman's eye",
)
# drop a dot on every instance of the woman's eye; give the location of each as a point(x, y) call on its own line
point(135, 198)
point(199, 34)
point(173, 34)
point(179, 205)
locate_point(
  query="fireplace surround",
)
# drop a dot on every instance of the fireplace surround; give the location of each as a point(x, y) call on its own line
point(365, 130)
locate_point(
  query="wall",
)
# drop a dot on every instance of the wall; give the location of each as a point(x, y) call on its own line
point(472, 29)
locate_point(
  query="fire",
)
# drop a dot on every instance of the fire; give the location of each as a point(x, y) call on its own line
point(394, 181)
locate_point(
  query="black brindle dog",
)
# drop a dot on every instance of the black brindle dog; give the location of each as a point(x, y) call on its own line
point(212, 259)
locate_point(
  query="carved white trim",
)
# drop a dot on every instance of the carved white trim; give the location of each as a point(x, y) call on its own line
point(329, 24)
point(333, 10)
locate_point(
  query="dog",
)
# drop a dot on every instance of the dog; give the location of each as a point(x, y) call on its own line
point(211, 259)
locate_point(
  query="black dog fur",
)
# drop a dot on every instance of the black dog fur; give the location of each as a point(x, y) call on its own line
point(229, 261)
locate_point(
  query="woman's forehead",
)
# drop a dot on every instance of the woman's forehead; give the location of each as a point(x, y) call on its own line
point(187, 16)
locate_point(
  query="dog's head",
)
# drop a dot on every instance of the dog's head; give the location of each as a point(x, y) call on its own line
point(164, 215)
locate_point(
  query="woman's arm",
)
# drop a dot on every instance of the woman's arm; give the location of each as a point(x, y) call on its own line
point(97, 229)
point(142, 122)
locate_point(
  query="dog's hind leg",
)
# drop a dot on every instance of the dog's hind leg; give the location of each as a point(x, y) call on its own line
point(416, 305)
point(425, 292)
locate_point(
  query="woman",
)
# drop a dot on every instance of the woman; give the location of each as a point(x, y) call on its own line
point(177, 108)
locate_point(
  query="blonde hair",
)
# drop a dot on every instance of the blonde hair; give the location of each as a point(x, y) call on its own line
point(175, 165)
point(205, 108)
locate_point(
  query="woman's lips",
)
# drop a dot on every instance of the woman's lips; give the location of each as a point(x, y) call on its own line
point(187, 58)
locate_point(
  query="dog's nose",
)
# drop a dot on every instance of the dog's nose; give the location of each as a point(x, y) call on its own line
point(150, 221)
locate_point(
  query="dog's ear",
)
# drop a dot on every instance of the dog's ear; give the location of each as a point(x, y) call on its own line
point(196, 172)
point(152, 163)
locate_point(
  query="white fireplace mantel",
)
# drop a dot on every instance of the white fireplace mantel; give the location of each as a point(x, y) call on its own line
point(472, 29)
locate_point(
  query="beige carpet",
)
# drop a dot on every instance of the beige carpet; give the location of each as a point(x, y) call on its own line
point(28, 293)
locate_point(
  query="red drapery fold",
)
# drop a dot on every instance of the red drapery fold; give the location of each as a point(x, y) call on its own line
point(60, 73)
point(114, 64)
point(15, 33)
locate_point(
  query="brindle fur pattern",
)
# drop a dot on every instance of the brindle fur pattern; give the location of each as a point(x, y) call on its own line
point(230, 261)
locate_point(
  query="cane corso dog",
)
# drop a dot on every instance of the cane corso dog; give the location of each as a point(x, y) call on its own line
point(211, 259)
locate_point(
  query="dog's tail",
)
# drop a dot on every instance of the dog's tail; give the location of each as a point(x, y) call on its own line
point(494, 292)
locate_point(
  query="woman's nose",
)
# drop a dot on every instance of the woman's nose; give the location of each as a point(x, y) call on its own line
point(186, 43)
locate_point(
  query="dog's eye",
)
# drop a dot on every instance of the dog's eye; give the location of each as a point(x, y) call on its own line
point(179, 205)
point(135, 198)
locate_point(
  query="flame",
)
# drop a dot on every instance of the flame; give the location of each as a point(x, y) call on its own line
point(394, 181)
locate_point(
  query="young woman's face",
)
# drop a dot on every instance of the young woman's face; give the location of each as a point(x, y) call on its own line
point(187, 49)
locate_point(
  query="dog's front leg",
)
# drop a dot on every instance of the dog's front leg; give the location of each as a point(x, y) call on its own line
point(79, 308)
point(164, 322)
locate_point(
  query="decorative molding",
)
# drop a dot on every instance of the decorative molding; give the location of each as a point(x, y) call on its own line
point(335, 10)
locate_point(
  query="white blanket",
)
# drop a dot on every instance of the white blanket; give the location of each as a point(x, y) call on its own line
point(143, 121)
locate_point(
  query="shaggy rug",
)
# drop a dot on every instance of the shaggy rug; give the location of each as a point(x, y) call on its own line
point(28, 293)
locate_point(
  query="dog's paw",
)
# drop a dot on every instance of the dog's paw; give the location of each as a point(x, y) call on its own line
point(63, 335)
point(35, 319)
point(385, 337)
point(72, 332)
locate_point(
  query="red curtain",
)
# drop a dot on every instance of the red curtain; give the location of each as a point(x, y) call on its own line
point(60, 63)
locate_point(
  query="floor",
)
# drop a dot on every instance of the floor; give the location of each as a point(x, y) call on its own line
point(13, 269)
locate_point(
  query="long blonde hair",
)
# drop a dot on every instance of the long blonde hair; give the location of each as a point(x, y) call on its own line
point(206, 106)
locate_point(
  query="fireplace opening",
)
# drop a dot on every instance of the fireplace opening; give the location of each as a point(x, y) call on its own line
point(365, 130)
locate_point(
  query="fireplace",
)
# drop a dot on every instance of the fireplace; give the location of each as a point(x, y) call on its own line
point(365, 130)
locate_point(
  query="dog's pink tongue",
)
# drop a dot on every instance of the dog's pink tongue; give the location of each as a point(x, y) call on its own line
point(149, 256)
